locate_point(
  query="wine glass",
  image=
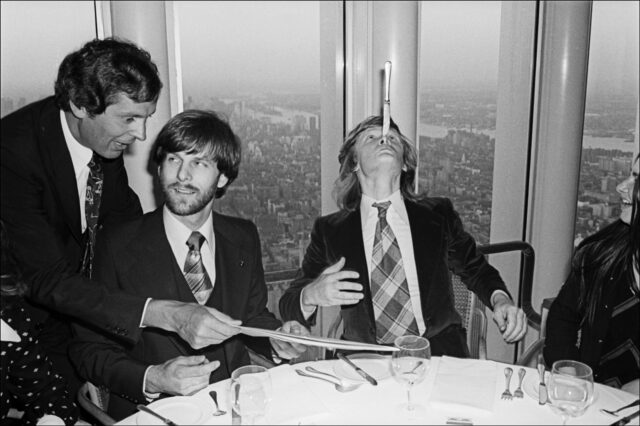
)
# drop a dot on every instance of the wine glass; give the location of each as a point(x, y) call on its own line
point(409, 366)
point(250, 394)
point(570, 388)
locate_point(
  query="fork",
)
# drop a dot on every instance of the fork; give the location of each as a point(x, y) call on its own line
point(518, 392)
point(507, 374)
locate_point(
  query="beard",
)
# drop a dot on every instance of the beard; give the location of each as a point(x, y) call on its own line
point(186, 204)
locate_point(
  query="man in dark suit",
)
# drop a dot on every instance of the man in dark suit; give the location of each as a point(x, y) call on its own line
point(104, 94)
point(386, 256)
point(198, 156)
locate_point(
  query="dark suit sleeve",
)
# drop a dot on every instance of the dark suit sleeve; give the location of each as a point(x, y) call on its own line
point(257, 314)
point(314, 262)
point(465, 261)
point(99, 358)
point(563, 323)
point(41, 237)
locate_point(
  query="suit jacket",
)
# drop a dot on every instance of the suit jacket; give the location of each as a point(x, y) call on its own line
point(41, 211)
point(440, 245)
point(136, 257)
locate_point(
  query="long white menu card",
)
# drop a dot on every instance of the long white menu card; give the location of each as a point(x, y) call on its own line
point(316, 341)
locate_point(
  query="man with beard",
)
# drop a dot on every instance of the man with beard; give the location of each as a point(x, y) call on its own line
point(184, 251)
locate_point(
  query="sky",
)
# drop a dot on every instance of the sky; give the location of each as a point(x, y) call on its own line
point(275, 45)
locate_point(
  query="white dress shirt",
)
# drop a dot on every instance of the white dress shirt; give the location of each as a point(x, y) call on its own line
point(178, 234)
point(398, 220)
point(80, 158)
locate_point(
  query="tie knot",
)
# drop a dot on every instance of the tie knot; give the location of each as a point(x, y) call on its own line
point(94, 164)
point(382, 208)
point(195, 241)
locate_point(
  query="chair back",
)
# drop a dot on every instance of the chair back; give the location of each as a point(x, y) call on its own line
point(474, 320)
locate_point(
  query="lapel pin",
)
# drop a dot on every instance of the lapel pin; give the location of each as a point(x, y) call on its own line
point(241, 263)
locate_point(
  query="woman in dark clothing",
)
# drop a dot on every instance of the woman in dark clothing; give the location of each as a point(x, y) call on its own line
point(28, 382)
point(595, 317)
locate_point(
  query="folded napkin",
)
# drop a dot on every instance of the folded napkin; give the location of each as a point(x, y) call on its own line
point(7, 333)
point(292, 405)
point(467, 386)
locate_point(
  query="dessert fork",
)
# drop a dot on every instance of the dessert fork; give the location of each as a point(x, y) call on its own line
point(507, 374)
point(518, 392)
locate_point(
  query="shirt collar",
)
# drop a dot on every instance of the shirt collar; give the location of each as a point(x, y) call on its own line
point(178, 233)
point(80, 154)
point(397, 204)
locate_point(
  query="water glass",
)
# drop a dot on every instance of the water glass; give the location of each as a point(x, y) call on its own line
point(570, 388)
point(409, 366)
point(250, 394)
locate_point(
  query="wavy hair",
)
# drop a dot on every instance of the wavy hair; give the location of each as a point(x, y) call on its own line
point(614, 250)
point(347, 191)
point(94, 76)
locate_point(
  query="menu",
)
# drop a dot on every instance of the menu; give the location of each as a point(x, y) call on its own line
point(316, 341)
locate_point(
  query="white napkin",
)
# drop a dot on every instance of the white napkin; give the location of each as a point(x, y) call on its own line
point(7, 333)
point(291, 406)
point(467, 386)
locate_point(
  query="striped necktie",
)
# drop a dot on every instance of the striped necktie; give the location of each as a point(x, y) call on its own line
point(93, 196)
point(389, 288)
point(194, 271)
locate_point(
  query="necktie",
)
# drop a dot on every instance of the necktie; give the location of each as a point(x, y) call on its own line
point(93, 196)
point(391, 301)
point(194, 271)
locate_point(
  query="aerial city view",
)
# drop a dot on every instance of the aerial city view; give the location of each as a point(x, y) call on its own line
point(279, 183)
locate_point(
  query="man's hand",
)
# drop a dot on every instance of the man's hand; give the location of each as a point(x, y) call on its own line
point(288, 350)
point(333, 288)
point(510, 319)
point(198, 325)
point(184, 375)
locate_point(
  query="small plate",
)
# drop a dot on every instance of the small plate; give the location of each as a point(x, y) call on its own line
point(183, 410)
point(375, 365)
point(531, 383)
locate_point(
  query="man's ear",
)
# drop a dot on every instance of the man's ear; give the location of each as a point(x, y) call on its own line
point(78, 112)
point(222, 180)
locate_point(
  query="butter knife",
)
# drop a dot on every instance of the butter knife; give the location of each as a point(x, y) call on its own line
point(626, 419)
point(359, 370)
point(542, 388)
point(153, 413)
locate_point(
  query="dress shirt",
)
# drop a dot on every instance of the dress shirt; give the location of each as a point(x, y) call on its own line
point(178, 234)
point(80, 158)
point(398, 220)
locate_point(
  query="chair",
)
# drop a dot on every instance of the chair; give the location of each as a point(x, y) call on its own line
point(529, 357)
point(95, 400)
point(474, 320)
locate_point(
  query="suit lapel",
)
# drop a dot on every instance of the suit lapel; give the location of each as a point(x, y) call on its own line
point(349, 244)
point(154, 269)
point(426, 238)
point(61, 168)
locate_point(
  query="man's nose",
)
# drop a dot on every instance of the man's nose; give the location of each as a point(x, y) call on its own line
point(139, 130)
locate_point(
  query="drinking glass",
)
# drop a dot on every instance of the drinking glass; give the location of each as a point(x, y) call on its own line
point(409, 366)
point(570, 388)
point(250, 394)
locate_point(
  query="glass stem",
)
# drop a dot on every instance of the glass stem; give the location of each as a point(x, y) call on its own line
point(409, 406)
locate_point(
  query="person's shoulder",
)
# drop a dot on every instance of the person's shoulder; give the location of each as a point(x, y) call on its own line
point(439, 206)
point(334, 220)
point(124, 231)
point(30, 111)
point(234, 228)
point(23, 125)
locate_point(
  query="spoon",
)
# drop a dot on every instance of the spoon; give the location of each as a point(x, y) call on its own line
point(214, 396)
point(337, 382)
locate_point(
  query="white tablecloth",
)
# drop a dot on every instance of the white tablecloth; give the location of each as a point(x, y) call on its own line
point(299, 400)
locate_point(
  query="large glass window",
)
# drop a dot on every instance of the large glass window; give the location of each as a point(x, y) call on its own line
point(609, 136)
point(36, 36)
point(259, 64)
point(457, 111)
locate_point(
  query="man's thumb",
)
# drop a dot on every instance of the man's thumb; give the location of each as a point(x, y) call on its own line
point(335, 267)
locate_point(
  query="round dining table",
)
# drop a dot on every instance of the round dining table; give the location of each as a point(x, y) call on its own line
point(454, 391)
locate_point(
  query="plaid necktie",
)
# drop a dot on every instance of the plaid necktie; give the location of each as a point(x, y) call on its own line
point(93, 196)
point(390, 291)
point(194, 271)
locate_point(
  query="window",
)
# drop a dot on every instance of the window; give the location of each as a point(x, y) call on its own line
point(259, 64)
point(611, 112)
point(30, 59)
point(457, 107)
